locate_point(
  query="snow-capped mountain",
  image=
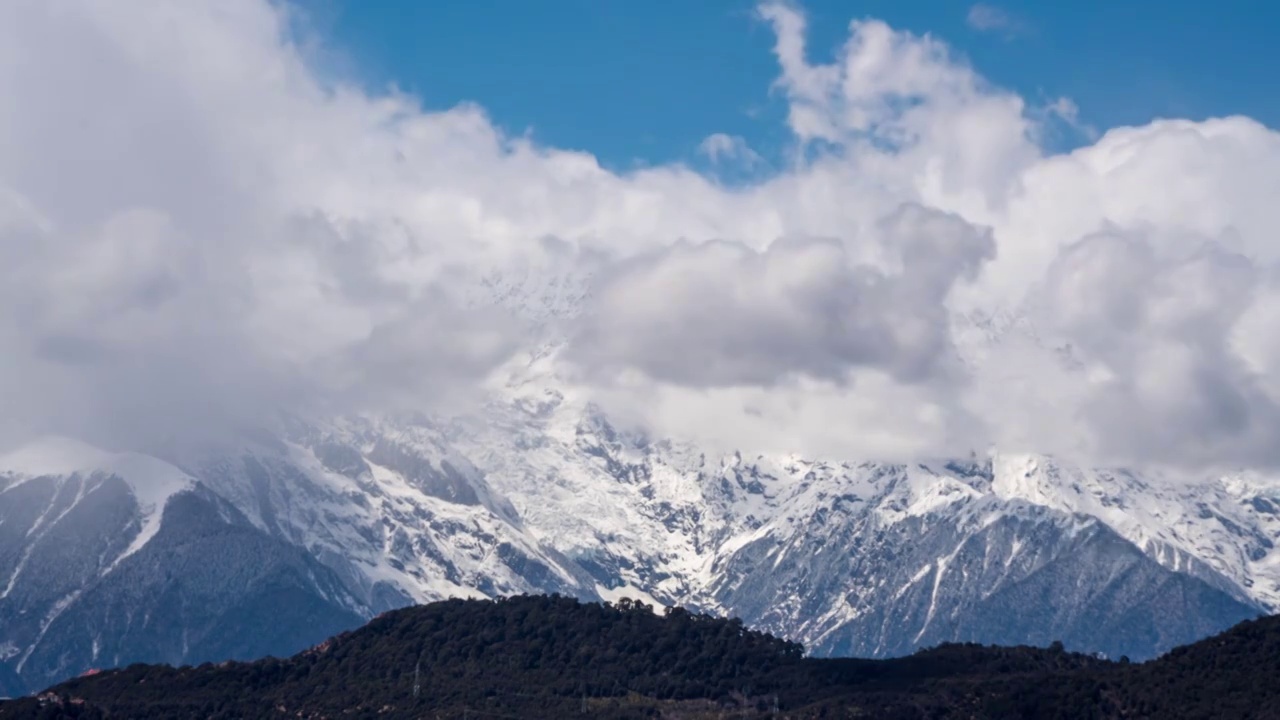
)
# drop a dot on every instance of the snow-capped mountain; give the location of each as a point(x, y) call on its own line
point(109, 559)
point(277, 542)
point(272, 542)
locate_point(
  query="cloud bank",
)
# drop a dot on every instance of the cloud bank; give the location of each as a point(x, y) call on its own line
point(198, 230)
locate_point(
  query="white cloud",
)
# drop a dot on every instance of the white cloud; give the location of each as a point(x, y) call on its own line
point(197, 230)
point(719, 147)
point(799, 307)
point(986, 17)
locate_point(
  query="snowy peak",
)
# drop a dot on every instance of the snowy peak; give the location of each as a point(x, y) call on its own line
point(151, 481)
point(1217, 528)
point(540, 492)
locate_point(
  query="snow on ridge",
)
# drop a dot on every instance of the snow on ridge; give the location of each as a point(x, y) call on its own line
point(54, 455)
point(151, 481)
point(1216, 525)
point(616, 594)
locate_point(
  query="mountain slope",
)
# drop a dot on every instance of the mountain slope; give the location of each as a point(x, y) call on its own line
point(987, 572)
point(95, 578)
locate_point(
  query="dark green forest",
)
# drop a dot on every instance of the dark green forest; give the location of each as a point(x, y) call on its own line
point(554, 657)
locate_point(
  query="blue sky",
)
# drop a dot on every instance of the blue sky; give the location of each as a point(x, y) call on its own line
point(645, 82)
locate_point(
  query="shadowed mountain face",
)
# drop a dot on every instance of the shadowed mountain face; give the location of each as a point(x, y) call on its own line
point(271, 546)
point(1024, 577)
point(550, 657)
point(207, 586)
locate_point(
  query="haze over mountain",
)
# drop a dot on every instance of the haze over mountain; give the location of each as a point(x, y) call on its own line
point(275, 340)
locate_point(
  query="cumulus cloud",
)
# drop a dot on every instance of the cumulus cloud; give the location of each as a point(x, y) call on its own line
point(185, 245)
point(737, 316)
point(902, 103)
point(199, 230)
point(1154, 325)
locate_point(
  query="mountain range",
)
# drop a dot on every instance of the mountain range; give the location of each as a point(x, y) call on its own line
point(273, 541)
point(269, 540)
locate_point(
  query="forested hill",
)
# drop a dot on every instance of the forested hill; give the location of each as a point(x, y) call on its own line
point(553, 657)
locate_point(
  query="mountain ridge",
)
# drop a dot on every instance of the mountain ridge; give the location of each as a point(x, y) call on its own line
point(539, 490)
point(850, 558)
point(550, 656)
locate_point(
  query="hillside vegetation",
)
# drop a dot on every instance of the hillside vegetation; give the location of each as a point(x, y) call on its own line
point(554, 657)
